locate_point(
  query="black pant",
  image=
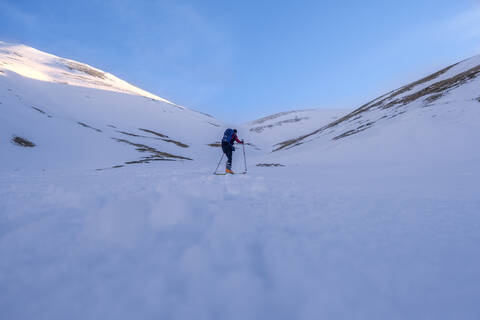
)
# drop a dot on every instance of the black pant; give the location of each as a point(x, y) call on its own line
point(227, 149)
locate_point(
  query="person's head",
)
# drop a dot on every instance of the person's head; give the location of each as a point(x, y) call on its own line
point(234, 130)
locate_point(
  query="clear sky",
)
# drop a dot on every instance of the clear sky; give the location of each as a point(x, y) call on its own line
point(239, 60)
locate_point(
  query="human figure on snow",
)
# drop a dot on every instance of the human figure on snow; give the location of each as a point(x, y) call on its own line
point(229, 137)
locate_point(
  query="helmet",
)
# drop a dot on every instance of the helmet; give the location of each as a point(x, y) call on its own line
point(235, 130)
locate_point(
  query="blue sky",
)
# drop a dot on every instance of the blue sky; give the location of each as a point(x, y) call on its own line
point(239, 60)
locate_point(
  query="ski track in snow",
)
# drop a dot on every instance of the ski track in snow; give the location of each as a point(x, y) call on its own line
point(143, 243)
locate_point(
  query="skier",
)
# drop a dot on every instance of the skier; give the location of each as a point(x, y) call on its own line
point(229, 137)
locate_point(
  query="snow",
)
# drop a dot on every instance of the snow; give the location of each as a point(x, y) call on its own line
point(64, 143)
point(273, 129)
point(381, 224)
point(38, 65)
point(165, 242)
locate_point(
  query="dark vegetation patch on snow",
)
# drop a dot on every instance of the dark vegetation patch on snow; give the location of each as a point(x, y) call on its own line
point(154, 133)
point(277, 115)
point(356, 118)
point(85, 69)
point(433, 97)
point(87, 126)
point(165, 138)
point(387, 101)
point(178, 143)
point(155, 155)
point(205, 114)
point(41, 111)
point(440, 87)
point(214, 124)
point(259, 129)
point(114, 167)
point(270, 165)
point(135, 135)
point(22, 142)
point(215, 144)
point(354, 131)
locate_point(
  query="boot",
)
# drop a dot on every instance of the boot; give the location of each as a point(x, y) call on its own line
point(228, 171)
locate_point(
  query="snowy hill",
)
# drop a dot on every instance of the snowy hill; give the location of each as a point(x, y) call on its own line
point(448, 90)
point(78, 116)
point(430, 121)
point(35, 64)
point(272, 129)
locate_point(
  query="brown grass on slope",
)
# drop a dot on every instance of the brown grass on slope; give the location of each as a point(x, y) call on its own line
point(436, 90)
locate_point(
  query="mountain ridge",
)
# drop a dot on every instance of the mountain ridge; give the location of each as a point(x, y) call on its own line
point(431, 88)
point(36, 64)
point(155, 128)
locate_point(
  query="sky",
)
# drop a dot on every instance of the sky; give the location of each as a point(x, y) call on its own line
point(240, 60)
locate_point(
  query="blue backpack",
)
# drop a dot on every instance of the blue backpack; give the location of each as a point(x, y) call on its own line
point(227, 136)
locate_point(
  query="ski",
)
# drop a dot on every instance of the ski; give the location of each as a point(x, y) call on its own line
point(224, 174)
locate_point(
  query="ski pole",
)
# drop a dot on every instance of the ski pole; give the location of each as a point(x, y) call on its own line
point(244, 158)
point(218, 165)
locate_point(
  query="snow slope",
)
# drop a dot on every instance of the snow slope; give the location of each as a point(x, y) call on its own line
point(88, 123)
point(165, 241)
point(35, 64)
point(453, 89)
point(373, 222)
point(431, 121)
point(270, 130)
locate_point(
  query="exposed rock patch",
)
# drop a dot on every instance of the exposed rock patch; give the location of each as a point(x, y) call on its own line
point(215, 144)
point(270, 165)
point(85, 69)
point(166, 138)
point(276, 115)
point(88, 126)
point(259, 129)
point(22, 142)
point(155, 155)
point(41, 111)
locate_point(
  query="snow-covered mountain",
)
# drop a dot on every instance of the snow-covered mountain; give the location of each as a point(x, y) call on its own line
point(432, 119)
point(35, 64)
point(448, 90)
point(371, 214)
point(79, 116)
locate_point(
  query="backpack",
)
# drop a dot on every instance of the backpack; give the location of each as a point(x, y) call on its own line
point(227, 136)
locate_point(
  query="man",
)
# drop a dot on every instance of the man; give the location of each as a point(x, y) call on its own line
point(229, 137)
